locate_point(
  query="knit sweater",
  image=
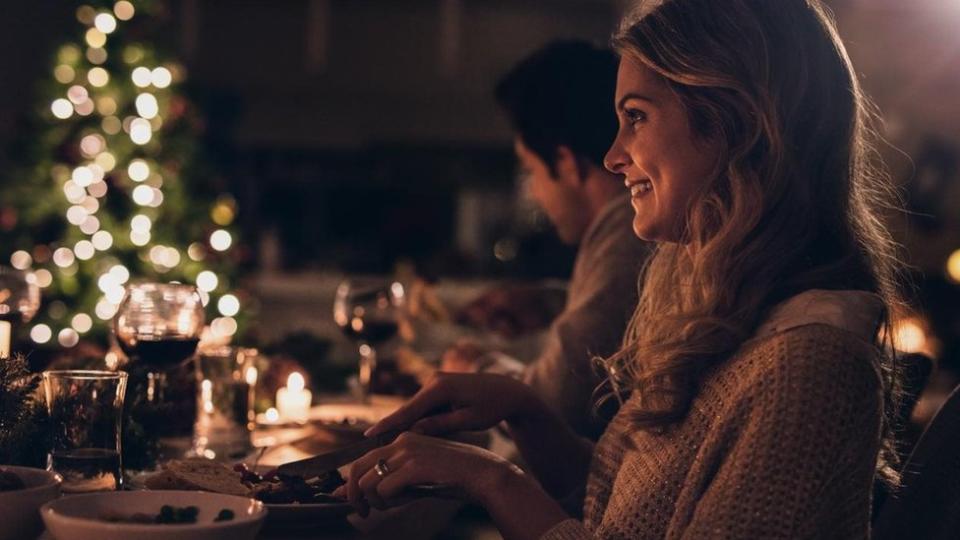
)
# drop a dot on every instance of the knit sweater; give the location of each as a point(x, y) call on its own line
point(781, 441)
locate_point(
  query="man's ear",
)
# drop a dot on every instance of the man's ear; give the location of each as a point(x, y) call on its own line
point(569, 168)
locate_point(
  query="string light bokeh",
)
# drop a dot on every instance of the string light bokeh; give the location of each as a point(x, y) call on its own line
point(120, 188)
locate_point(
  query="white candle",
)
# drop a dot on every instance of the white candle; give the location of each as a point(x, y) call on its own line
point(5, 330)
point(293, 401)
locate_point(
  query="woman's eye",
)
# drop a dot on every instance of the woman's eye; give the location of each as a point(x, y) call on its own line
point(635, 115)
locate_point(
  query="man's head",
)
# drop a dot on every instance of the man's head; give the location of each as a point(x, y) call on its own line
point(559, 104)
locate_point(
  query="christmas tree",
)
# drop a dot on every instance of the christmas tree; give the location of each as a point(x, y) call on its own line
point(113, 187)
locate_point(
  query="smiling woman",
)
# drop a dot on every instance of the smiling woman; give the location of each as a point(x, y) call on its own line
point(661, 157)
point(751, 380)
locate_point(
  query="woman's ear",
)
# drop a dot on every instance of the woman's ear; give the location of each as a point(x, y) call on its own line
point(570, 169)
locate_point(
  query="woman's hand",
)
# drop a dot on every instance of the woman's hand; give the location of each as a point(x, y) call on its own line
point(456, 402)
point(417, 459)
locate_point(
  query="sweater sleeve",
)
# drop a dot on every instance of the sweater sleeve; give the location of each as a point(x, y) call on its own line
point(569, 529)
point(800, 449)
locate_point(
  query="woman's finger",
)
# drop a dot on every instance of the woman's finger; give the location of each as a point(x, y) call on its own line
point(357, 470)
point(392, 485)
point(439, 424)
point(431, 397)
point(368, 486)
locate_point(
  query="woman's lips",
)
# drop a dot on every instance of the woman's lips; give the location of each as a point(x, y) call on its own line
point(639, 187)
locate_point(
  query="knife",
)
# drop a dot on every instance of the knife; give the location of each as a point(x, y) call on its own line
point(323, 463)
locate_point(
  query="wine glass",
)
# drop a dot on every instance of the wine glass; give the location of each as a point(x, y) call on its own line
point(158, 326)
point(19, 302)
point(368, 311)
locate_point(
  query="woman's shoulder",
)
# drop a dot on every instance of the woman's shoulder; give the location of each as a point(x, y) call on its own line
point(815, 338)
point(857, 312)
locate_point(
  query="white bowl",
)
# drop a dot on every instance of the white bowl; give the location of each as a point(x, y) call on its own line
point(80, 517)
point(19, 514)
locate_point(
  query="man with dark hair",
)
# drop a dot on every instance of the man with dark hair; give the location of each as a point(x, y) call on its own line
point(560, 104)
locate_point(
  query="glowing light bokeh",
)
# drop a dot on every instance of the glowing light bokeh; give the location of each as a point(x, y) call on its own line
point(98, 77)
point(64, 74)
point(138, 170)
point(102, 240)
point(82, 323)
point(105, 23)
point(124, 10)
point(228, 305)
point(140, 131)
point(61, 108)
point(207, 281)
point(147, 105)
point(95, 38)
point(106, 161)
point(220, 240)
point(84, 250)
point(953, 266)
point(41, 333)
point(141, 77)
point(44, 278)
point(161, 77)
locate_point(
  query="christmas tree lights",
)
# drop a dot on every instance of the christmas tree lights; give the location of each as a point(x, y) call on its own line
point(111, 191)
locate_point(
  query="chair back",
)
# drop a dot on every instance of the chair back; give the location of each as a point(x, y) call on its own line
point(927, 505)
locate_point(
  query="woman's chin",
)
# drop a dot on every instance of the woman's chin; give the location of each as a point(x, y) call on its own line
point(643, 230)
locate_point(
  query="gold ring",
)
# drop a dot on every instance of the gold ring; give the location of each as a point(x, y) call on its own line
point(381, 468)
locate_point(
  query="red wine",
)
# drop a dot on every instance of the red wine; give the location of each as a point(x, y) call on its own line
point(161, 353)
point(372, 331)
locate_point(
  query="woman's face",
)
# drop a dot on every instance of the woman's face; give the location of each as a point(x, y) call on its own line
point(663, 162)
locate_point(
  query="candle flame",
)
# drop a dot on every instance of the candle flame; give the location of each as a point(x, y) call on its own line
point(295, 382)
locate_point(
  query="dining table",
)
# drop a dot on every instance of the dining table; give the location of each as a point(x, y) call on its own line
point(338, 421)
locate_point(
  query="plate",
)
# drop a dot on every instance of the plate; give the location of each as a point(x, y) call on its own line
point(79, 517)
point(304, 517)
point(18, 508)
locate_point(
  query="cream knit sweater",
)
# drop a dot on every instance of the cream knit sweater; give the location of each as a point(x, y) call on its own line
point(781, 442)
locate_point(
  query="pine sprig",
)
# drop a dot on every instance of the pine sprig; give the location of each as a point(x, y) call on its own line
point(23, 419)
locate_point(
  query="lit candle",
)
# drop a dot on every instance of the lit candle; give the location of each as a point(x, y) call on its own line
point(5, 329)
point(293, 401)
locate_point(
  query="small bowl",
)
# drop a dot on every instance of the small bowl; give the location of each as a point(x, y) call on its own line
point(80, 517)
point(19, 508)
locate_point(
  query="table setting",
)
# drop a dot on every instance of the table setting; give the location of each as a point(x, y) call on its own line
point(237, 472)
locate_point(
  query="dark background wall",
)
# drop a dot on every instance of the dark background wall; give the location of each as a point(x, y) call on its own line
point(357, 132)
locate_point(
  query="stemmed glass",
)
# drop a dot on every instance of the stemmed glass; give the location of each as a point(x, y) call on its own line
point(368, 311)
point(158, 325)
point(19, 302)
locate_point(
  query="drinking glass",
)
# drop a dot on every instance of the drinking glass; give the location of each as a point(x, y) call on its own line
point(368, 311)
point(86, 409)
point(19, 301)
point(226, 379)
point(158, 325)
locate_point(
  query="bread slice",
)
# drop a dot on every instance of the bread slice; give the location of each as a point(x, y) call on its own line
point(198, 474)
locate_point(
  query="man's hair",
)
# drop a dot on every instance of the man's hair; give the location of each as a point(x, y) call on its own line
point(563, 95)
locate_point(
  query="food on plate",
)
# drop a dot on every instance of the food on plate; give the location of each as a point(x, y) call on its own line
point(198, 474)
point(168, 515)
point(271, 488)
point(10, 481)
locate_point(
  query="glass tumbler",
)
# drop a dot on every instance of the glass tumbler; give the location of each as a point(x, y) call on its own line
point(86, 410)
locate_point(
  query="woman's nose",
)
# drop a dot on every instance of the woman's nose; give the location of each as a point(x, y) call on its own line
point(616, 159)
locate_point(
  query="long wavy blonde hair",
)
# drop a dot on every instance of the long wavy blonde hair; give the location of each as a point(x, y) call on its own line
point(795, 203)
